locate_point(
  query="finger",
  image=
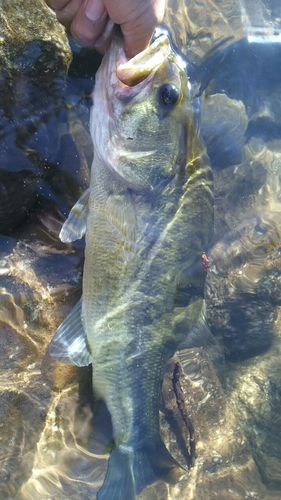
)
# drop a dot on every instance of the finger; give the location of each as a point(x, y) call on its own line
point(103, 42)
point(138, 32)
point(86, 32)
point(137, 19)
point(57, 4)
point(136, 41)
point(94, 10)
point(66, 13)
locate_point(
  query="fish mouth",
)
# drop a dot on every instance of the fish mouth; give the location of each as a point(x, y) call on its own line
point(133, 71)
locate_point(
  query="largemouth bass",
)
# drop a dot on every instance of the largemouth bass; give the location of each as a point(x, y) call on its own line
point(148, 216)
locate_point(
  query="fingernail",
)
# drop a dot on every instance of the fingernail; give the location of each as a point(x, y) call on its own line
point(94, 10)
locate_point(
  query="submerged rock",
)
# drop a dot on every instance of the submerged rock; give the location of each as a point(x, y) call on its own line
point(223, 127)
point(31, 300)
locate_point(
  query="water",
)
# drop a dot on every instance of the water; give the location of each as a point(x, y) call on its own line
point(54, 435)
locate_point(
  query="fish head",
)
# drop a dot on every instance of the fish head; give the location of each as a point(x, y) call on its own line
point(143, 111)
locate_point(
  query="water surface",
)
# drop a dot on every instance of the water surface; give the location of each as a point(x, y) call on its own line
point(55, 436)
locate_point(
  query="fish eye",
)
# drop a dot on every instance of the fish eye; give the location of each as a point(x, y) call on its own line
point(168, 95)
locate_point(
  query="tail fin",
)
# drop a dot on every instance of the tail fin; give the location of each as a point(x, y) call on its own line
point(131, 469)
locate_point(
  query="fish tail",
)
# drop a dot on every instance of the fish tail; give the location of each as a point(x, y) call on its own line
point(130, 469)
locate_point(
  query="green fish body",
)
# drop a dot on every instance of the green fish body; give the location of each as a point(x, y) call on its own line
point(148, 216)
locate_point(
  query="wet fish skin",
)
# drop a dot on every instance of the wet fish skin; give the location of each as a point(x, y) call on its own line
point(149, 218)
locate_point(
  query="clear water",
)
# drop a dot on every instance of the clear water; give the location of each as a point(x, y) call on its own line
point(54, 435)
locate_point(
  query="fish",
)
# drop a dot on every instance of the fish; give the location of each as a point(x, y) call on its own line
point(147, 218)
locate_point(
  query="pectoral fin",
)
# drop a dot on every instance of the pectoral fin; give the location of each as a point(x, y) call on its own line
point(74, 227)
point(69, 344)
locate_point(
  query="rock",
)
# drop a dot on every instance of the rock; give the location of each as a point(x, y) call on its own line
point(223, 126)
point(34, 56)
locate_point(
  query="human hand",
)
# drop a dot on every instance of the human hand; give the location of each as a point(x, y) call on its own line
point(87, 20)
